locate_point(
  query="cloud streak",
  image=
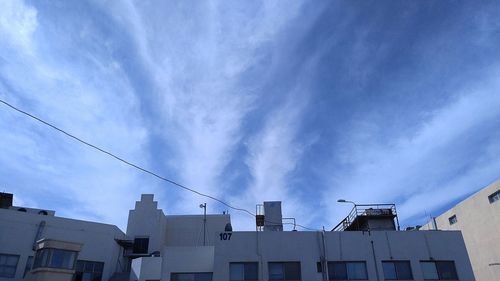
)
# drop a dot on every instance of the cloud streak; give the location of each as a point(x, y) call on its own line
point(293, 101)
point(63, 173)
point(447, 157)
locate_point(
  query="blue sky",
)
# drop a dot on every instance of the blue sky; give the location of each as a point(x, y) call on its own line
point(300, 101)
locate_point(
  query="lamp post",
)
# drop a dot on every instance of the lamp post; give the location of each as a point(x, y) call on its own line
point(204, 207)
point(354, 209)
point(346, 201)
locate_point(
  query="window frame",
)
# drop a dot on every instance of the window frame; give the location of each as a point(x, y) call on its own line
point(29, 265)
point(244, 270)
point(47, 261)
point(172, 274)
point(439, 273)
point(10, 266)
point(331, 275)
point(494, 197)
point(453, 219)
point(396, 269)
point(283, 263)
point(134, 248)
point(93, 273)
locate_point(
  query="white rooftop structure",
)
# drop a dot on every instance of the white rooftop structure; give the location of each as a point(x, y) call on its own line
point(203, 248)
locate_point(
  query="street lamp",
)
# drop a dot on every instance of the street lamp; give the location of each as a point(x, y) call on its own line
point(204, 207)
point(354, 209)
point(493, 264)
point(346, 201)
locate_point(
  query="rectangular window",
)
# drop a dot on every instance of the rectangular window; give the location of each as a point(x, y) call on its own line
point(88, 271)
point(284, 271)
point(494, 197)
point(452, 219)
point(203, 276)
point(243, 271)
point(62, 259)
point(55, 258)
point(8, 265)
point(141, 245)
point(439, 270)
point(347, 270)
point(27, 267)
point(397, 270)
point(319, 267)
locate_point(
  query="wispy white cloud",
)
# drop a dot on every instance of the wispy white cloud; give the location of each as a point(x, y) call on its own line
point(190, 88)
point(275, 151)
point(79, 98)
point(197, 56)
point(434, 165)
point(273, 154)
point(18, 22)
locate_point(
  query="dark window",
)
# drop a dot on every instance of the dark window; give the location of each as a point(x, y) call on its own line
point(319, 268)
point(347, 270)
point(88, 271)
point(439, 270)
point(494, 197)
point(55, 258)
point(204, 276)
point(29, 264)
point(284, 271)
point(452, 219)
point(8, 265)
point(62, 259)
point(141, 245)
point(397, 270)
point(243, 271)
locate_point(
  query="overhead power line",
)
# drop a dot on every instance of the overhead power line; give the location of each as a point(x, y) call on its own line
point(134, 165)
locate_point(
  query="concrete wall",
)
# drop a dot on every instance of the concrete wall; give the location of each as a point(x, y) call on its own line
point(146, 220)
point(179, 239)
point(306, 247)
point(18, 231)
point(171, 230)
point(146, 268)
point(479, 221)
point(187, 230)
point(186, 260)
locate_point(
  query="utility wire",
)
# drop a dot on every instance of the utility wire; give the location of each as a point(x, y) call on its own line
point(134, 165)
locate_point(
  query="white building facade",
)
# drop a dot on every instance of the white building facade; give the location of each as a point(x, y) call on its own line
point(100, 256)
point(203, 248)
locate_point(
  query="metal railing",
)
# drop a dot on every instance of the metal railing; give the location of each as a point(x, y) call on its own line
point(379, 210)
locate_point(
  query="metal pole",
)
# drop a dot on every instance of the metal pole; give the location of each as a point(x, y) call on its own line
point(325, 257)
point(204, 224)
point(204, 206)
point(375, 261)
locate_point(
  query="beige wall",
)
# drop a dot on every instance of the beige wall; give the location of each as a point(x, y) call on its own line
point(479, 221)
